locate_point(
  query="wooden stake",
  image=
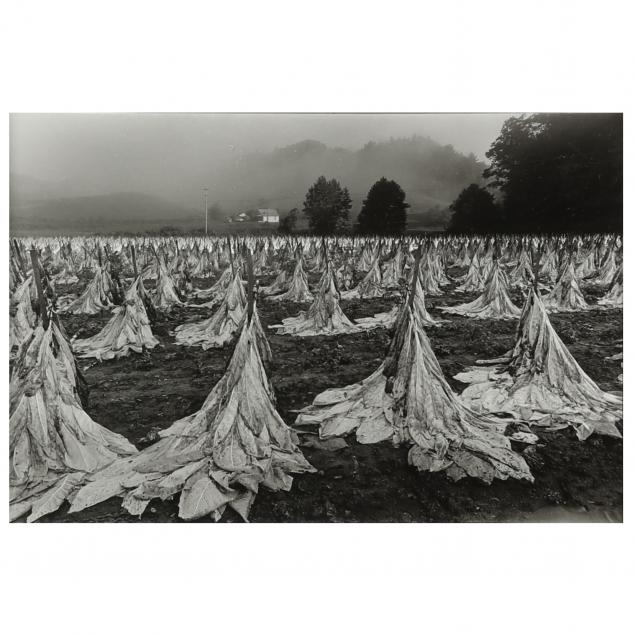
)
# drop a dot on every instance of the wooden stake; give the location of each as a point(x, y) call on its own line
point(16, 262)
point(134, 260)
point(231, 257)
point(415, 275)
point(250, 285)
point(38, 285)
point(19, 256)
point(536, 266)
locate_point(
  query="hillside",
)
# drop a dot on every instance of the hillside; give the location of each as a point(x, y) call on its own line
point(125, 211)
point(431, 174)
point(24, 188)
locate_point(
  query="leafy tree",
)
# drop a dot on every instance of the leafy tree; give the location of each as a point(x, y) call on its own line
point(384, 210)
point(327, 205)
point(559, 172)
point(288, 223)
point(475, 211)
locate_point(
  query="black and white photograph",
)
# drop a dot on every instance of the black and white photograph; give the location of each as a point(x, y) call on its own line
point(317, 317)
point(228, 317)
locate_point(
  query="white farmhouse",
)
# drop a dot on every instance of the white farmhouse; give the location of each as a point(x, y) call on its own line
point(268, 216)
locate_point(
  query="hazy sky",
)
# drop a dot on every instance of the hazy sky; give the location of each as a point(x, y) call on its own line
point(171, 153)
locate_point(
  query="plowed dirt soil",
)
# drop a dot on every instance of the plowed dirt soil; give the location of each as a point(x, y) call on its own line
point(141, 394)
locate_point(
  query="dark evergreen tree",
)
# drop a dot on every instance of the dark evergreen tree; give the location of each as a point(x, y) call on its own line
point(384, 210)
point(288, 223)
point(475, 211)
point(327, 205)
point(559, 172)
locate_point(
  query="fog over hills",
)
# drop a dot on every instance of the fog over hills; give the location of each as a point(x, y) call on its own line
point(431, 174)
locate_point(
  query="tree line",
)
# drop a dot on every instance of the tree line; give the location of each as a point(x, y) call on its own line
point(428, 171)
point(548, 173)
point(327, 207)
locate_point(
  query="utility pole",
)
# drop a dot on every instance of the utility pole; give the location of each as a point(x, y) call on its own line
point(205, 199)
